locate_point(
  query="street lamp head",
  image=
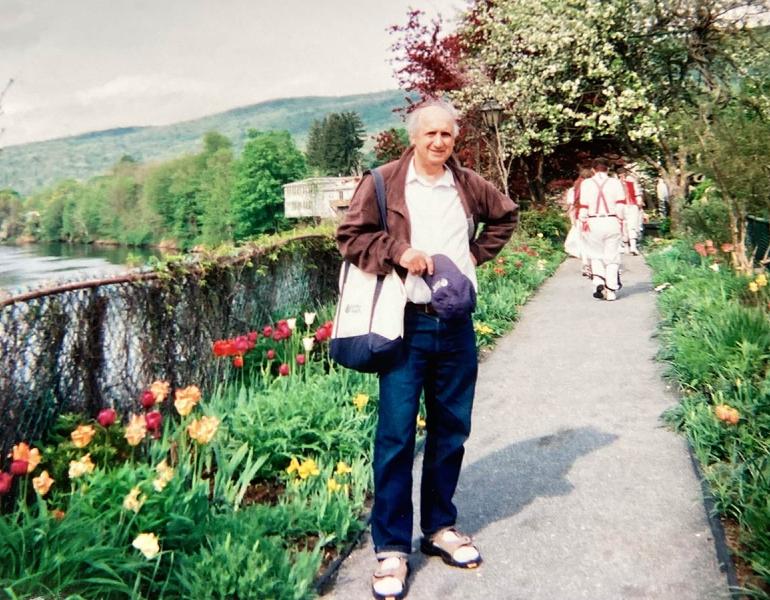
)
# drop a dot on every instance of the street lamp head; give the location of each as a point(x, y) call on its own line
point(491, 112)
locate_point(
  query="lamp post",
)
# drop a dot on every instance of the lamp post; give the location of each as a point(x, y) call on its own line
point(492, 114)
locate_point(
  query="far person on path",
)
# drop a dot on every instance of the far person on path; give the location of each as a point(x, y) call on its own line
point(573, 245)
point(602, 203)
point(634, 211)
point(434, 208)
point(662, 192)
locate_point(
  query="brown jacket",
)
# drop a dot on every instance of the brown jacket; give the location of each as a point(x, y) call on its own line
point(362, 241)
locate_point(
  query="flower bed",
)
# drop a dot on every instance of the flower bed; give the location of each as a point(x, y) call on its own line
point(716, 338)
point(244, 493)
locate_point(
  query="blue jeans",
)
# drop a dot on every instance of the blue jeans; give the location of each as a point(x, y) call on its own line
point(440, 358)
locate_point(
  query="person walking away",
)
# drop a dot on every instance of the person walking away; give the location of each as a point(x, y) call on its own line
point(634, 210)
point(602, 203)
point(573, 244)
point(434, 207)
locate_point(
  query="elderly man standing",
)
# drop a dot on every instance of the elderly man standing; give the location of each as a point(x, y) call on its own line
point(602, 203)
point(434, 207)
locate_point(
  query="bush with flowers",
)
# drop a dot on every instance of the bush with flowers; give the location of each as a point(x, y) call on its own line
point(715, 331)
point(241, 492)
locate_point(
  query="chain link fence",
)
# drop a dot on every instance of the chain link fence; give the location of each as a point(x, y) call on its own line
point(88, 345)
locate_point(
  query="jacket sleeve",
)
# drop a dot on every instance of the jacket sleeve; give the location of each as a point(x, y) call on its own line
point(360, 237)
point(500, 216)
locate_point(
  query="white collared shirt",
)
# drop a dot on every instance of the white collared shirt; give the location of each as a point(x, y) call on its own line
point(439, 226)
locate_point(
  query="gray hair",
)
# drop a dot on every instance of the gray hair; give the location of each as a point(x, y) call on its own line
point(413, 118)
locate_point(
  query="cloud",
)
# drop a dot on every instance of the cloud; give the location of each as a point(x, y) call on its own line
point(146, 87)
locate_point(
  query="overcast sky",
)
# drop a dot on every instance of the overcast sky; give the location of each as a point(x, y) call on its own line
point(84, 65)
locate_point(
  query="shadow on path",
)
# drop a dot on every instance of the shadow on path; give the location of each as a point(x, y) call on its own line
point(500, 485)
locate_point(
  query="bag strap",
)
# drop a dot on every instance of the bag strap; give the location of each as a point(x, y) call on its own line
point(382, 200)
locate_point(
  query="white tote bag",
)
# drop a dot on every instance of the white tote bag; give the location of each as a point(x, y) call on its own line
point(369, 323)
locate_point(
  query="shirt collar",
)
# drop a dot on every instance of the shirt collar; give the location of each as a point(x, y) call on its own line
point(446, 180)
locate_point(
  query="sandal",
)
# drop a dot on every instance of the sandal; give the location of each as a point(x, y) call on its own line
point(389, 581)
point(453, 547)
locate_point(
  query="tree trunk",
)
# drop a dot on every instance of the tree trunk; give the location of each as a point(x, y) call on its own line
point(674, 173)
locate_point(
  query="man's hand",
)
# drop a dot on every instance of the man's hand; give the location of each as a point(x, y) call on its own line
point(416, 262)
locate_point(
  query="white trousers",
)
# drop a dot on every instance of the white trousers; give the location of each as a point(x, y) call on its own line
point(633, 224)
point(602, 246)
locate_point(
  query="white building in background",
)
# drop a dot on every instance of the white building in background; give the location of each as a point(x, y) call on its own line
point(324, 197)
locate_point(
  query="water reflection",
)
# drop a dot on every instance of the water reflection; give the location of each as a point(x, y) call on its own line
point(36, 264)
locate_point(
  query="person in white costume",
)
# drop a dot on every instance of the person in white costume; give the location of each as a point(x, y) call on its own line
point(601, 214)
point(634, 210)
point(573, 245)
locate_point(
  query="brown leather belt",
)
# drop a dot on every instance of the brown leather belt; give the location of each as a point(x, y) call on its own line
point(423, 308)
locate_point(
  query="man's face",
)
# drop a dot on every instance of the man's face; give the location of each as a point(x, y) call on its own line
point(434, 139)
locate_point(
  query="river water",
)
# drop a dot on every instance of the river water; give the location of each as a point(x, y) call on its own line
point(34, 265)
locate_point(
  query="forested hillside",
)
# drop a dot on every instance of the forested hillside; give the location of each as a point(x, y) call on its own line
point(29, 167)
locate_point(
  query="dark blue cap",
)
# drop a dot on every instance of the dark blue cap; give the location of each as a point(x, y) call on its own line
point(452, 293)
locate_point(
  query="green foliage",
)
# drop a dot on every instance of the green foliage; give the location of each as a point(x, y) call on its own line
point(269, 160)
point(551, 222)
point(11, 214)
point(334, 144)
point(707, 217)
point(716, 338)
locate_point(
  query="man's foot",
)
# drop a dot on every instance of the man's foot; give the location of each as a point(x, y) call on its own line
point(454, 548)
point(389, 581)
point(609, 295)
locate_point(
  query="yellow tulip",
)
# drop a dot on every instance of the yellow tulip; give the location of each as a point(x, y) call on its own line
point(82, 435)
point(185, 399)
point(360, 401)
point(136, 430)
point(333, 486)
point(160, 390)
point(134, 500)
point(342, 469)
point(202, 430)
point(753, 287)
point(307, 469)
point(31, 456)
point(78, 468)
point(42, 483)
point(147, 544)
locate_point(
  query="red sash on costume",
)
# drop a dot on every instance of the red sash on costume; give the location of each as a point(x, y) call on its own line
point(630, 192)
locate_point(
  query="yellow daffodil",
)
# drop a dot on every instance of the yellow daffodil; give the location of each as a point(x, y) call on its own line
point(342, 469)
point(136, 430)
point(420, 422)
point(134, 500)
point(78, 468)
point(483, 329)
point(160, 390)
point(42, 483)
point(31, 456)
point(333, 486)
point(753, 287)
point(185, 399)
point(293, 466)
point(761, 280)
point(147, 544)
point(165, 475)
point(82, 435)
point(308, 468)
point(360, 401)
point(202, 430)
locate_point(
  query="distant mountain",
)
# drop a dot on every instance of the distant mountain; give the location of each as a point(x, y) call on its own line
point(27, 168)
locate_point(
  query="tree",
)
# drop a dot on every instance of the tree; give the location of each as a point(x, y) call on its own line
point(269, 160)
point(217, 220)
point(731, 147)
point(11, 214)
point(334, 144)
point(390, 145)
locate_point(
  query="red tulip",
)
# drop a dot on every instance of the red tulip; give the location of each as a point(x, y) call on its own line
point(153, 420)
point(283, 370)
point(6, 479)
point(300, 359)
point(19, 467)
point(267, 331)
point(270, 354)
point(107, 417)
point(220, 347)
point(147, 399)
point(252, 337)
point(238, 361)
